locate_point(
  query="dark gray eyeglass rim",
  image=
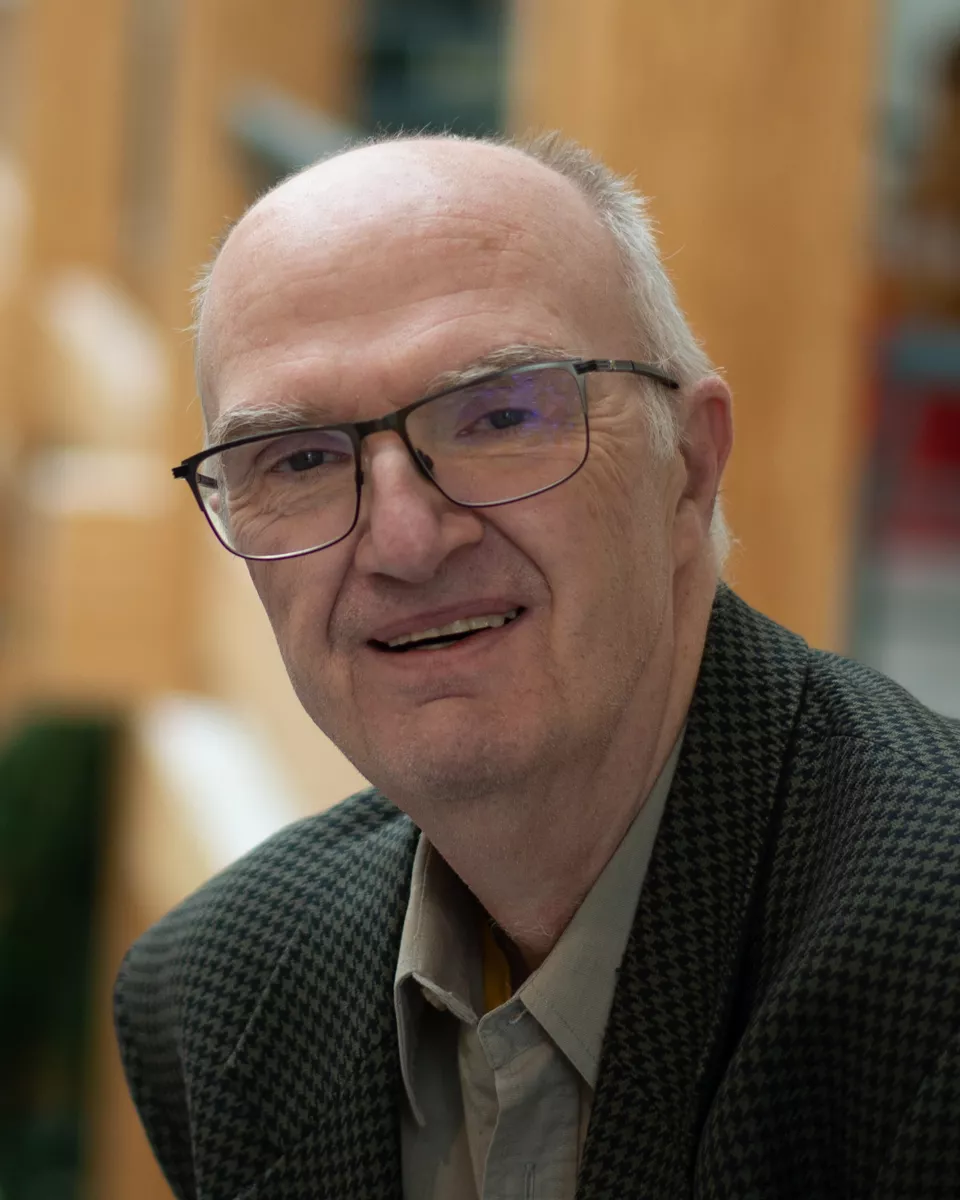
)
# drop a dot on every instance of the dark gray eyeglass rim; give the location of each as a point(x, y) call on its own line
point(188, 469)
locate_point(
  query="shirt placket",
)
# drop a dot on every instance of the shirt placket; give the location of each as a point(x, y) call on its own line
point(532, 1153)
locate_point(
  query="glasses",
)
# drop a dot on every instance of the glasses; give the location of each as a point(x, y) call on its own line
point(502, 438)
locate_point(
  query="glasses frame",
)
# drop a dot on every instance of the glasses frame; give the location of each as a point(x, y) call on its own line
point(579, 368)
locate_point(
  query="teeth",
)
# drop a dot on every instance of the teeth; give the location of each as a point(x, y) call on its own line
point(468, 625)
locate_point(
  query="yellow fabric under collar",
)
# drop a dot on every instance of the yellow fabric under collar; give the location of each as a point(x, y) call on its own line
point(497, 983)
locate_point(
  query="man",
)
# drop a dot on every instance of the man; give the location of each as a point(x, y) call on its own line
point(649, 900)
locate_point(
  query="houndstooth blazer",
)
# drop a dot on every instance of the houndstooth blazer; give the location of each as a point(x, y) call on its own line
point(786, 1020)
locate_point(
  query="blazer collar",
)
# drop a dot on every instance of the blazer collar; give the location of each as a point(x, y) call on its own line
point(671, 1024)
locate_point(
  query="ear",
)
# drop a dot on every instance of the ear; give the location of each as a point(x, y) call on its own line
point(706, 430)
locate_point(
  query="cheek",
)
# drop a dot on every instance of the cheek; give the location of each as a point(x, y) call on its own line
point(603, 554)
point(627, 543)
point(623, 508)
point(273, 584)
point(297, 598)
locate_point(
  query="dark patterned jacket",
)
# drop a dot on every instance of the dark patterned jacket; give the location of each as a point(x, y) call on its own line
point(786, 1020)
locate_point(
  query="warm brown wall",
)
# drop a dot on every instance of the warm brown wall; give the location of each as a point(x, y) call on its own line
point(302, 47)
point(73, 118)
point(747, 123)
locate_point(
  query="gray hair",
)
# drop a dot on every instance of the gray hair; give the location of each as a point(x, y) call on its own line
point(663, 336)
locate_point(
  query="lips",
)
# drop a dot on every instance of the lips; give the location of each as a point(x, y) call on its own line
point(446, 635)
point(431, 631)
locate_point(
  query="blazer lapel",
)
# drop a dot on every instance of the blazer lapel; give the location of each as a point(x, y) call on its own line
point(318, 1064)
point(672, 1019)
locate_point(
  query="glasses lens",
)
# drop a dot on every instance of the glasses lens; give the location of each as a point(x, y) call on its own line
point(503, 438)
point(282, 494)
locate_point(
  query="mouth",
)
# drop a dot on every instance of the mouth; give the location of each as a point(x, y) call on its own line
point(444, 636)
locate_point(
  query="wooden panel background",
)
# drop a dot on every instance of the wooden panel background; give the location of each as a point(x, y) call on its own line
point(73, 79)
point(748, 123)
point(303, 47)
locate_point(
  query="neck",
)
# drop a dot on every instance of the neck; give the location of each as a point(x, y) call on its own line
point(531, 857)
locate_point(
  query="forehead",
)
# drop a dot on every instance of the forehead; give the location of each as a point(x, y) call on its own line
point(387, 267)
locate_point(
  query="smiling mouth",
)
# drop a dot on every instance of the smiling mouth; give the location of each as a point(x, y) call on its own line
point(446, 635)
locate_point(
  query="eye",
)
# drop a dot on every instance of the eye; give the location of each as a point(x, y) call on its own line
point(307, 460)
point(496, 420)
point(506, 418)
point(303, 453)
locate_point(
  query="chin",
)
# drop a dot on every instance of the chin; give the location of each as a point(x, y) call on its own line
point(448, 768)
point(449, 750)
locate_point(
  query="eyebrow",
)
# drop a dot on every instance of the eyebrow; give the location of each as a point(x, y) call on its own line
point(272, 416)
point(518, 354)
point(276, 416)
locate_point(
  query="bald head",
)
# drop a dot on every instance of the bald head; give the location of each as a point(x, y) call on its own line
point(356, 210)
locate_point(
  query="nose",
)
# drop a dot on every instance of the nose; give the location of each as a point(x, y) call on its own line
point(408, 528)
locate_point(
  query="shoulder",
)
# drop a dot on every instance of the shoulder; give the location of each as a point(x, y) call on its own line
point(868, 759)
point(258, 897)
point(882, 760)
point(865, 870)
point(227, 934)
point(833, 711)
point(188, 988)
point(848, 700)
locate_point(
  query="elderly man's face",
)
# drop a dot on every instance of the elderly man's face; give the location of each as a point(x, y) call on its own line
point(353, 289)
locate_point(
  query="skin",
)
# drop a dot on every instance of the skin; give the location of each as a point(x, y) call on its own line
point(524, 758)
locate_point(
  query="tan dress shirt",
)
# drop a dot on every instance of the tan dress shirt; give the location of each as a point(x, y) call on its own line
point(498, 1102)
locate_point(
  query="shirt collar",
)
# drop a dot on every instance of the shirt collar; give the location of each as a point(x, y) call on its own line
point(437, 963)
point(570, 994)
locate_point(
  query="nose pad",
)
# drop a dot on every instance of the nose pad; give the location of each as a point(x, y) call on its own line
point(424, 460)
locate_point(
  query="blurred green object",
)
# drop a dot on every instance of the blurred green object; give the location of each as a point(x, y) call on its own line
point(424, 65)
point(279, 135)
point(434, 64)
point(54, 780)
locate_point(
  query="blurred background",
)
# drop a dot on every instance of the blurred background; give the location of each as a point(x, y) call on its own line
point(804, 166)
